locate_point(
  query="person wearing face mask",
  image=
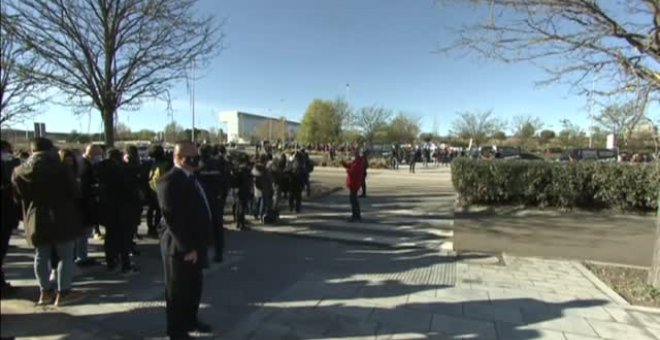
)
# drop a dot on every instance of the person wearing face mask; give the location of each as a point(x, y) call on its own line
point(187, 221)
point(10, 210)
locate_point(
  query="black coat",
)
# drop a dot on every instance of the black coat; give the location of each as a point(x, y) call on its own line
point(49, 196)
point(10, 209)
point(89, 185)
point(210, 177)
point(118, 194)
point(186, 223)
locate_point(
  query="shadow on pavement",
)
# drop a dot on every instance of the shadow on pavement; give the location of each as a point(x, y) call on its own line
point(306, 289)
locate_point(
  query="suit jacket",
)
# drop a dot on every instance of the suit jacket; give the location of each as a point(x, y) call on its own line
point(186, 223)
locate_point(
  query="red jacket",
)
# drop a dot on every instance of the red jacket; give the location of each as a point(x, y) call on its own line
point(355, 172)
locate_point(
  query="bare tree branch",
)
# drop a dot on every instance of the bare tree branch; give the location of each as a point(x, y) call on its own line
point(591, 37)
point(19, 91)
point(112, 54)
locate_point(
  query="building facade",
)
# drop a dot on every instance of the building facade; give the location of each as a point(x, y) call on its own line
point(247, 128)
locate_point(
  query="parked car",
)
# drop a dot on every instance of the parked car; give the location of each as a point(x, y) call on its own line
point(600, 155)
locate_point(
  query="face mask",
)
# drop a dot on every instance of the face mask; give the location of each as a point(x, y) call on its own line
point(97, 159)
point(191, 161)
point(6, 157)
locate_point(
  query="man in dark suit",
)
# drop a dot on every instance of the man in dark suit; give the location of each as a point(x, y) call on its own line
point(184, 236)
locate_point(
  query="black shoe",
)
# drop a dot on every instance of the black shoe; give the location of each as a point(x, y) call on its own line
point(87, 262)
point(183, 336)
point(201, 327)
point(129, 270)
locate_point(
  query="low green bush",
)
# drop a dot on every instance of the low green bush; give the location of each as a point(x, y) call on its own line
point(589, 185)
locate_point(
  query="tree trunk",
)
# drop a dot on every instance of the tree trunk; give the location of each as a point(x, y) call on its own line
point(654, 273)
point(109, 126)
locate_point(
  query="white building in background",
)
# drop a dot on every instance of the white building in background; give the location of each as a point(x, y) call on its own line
point(241, 126)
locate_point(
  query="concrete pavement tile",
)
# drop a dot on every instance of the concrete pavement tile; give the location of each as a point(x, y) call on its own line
point(570, 336)
point(273, 331)
point(462, 328)
point(593, 312)
point(307, 321)
point(406, 336)
point(620, 315)
point(507, 331)
point(401, 319)
point(561, 323)
point(489, 312)
point(615, 331)
point(349, 328)
point(358, 308)
point(647, 319)
point(454, 308)
point(462, 294)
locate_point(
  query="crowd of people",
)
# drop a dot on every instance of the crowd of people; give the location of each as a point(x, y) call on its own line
point(65, 196)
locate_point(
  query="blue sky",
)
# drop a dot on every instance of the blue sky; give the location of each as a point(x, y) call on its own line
point(282, 54)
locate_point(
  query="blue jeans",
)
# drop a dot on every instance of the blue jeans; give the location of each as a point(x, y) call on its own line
point(64, 268)
point(81, 243)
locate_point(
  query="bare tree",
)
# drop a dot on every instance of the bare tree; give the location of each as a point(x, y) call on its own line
point(525, 128)
point(112, 54)
point(478, 126)
point(620, 41)
point(19, 92)
point(371, 120)
point(614, 40)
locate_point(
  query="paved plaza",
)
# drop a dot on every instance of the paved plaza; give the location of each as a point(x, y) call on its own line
point(395, 276)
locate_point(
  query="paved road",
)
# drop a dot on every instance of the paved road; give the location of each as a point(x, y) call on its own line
point(400, 210)
point(625, 239)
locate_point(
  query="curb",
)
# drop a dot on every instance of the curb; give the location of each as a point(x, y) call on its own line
point(374, 244)
point(600, 284)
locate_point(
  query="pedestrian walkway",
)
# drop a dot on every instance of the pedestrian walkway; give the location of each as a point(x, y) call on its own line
point(401, 210)
point(526, 299)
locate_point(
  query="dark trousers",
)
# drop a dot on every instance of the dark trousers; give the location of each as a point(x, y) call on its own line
point(218, 231)
point(355, 205)
point(153, 217)
point(295, 198)
point(118, 244)
point(4, 246)
point(364, 185)
point(183, 291)
point(412, 167)
point(241, 206)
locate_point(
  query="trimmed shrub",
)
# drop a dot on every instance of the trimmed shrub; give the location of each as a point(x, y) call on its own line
point(589, 185)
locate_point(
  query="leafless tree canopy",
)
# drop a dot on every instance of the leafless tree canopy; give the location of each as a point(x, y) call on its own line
point(108, 54)
point(478, 126)
point(18, 90)
point(617, 41)
point(370, 120)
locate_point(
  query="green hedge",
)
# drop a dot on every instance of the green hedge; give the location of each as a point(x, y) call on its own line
point(545, 184)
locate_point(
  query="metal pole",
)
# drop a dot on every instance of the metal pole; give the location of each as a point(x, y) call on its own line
point(193, 101)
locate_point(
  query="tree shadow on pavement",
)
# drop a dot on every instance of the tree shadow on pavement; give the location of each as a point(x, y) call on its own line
point(347, 285)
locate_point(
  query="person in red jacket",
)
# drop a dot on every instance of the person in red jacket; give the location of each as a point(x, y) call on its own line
point(354, 180)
